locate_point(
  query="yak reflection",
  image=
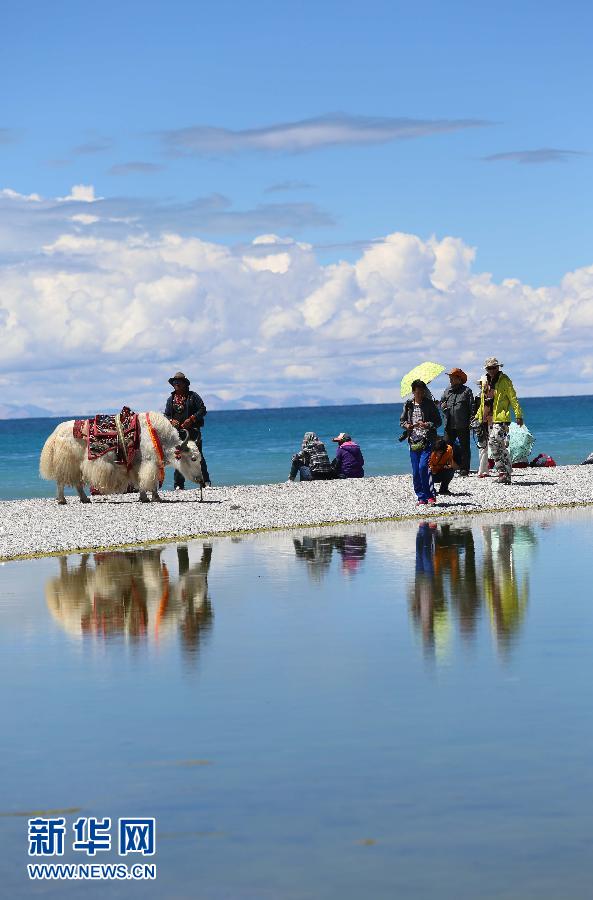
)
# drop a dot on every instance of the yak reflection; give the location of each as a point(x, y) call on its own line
point(450, 587)
point(133, 594)
point(317, 552)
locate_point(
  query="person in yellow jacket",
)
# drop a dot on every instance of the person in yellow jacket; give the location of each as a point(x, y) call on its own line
point(497, 398)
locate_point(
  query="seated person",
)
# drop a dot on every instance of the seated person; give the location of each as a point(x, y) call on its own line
point(442, 465)
point(349, 460)
point(312, 461)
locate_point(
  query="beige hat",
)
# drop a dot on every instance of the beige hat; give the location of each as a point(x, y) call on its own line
point(492, 361)
point(343, 436)
point(179, 376)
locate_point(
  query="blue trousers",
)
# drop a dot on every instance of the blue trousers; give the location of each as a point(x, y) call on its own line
point(421, 475)
point(424, 551)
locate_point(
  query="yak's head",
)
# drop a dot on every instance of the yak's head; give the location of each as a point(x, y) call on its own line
point(188, 459)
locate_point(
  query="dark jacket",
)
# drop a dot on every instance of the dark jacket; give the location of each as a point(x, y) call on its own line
point(194, 406)
point(349, 461)
point(314, 455)
point(430, 413)
point(457, 404)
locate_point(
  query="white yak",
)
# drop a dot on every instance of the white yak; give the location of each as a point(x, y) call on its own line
point(64, 460)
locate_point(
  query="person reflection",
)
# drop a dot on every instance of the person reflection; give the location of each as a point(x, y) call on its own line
point(317, 552)
point(506, 578)
point(427, 602)
point(131, 594)
point(445, 584)
point(450, 585)
point(455, 566)
point(352, 549)
point(194, 610)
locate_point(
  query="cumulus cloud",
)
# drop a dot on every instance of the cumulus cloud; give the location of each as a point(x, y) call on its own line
point(534, 157)
point(306, 134)
point(90, 320)
point(81, 193)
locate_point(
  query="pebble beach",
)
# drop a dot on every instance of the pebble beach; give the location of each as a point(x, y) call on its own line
point(39, 527)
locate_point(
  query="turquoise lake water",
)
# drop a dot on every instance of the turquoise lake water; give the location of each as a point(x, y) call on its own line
point(398, 710)
point(255, 446)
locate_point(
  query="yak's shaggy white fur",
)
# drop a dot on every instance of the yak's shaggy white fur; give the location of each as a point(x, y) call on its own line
point(64, 460)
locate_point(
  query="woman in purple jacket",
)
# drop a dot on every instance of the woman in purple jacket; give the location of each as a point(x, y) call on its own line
point(349, 460)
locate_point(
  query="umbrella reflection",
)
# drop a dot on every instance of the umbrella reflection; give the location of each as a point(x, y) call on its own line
point(450, 586)
point(317, 552)
point(133, 594)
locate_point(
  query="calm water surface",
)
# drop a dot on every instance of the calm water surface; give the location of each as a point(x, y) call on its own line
point(399, 711)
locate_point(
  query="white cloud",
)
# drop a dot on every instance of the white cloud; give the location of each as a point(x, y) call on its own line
point(306, 134)
point(276, 262)
point(84, 219)
point(9, 194)
point(299, 373)
point(93, 321)
point(82, 193)
point(29, 220)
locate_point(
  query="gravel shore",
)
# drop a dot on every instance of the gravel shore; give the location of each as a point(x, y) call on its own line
point(40, 527)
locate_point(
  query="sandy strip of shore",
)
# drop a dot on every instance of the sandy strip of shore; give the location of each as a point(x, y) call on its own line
point(41, 527)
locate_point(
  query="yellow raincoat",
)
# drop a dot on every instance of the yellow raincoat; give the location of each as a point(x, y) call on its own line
point(504, 398)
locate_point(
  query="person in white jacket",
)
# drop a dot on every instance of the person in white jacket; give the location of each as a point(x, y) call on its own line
point(482, 438)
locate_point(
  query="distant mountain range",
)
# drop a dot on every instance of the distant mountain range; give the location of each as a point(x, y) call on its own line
point(215, 404)
point(23, 411)
point(28, 411)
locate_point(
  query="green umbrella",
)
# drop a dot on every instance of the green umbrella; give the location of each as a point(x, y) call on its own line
point(426, 371)
point(521, 442)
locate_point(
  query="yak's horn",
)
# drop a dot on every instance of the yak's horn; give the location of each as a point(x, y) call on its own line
point(184, 435)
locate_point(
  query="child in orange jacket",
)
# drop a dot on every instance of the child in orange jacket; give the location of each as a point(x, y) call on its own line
point(442, 465)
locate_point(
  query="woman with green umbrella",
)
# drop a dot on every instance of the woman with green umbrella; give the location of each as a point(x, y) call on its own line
point(421, 418)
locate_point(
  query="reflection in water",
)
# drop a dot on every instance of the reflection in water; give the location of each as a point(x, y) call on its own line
point(427, 600)
point(449, 585)
point(506, 587)
point(317, 552)
point(133, 594)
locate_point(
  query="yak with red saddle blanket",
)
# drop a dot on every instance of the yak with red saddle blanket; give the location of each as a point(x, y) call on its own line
point(113, 452)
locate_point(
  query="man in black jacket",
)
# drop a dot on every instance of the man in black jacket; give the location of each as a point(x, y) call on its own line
point(186, 409)
point(457, 404)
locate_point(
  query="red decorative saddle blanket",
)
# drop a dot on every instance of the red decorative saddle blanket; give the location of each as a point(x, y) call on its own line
point(105, 433)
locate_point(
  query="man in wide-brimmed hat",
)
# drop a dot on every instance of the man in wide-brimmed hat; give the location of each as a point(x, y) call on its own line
point(186, 410)
point(457, 404)
point(498, 396)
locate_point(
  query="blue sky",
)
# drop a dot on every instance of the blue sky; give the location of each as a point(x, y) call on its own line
point(116, 75)
point(334, 124)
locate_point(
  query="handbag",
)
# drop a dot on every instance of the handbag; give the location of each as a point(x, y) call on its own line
point(417, 446)
point(422, 444)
